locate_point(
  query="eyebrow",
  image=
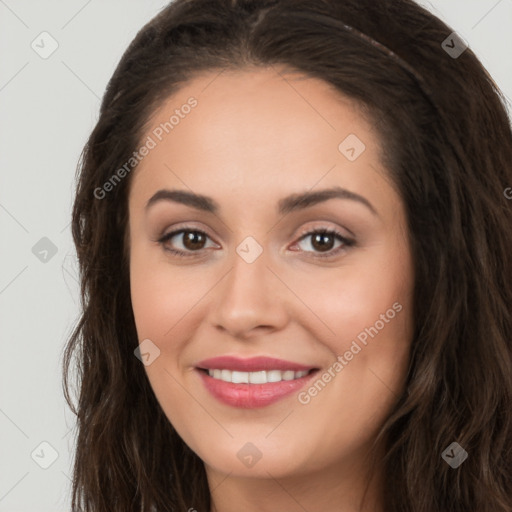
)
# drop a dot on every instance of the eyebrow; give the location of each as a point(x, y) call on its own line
point(286, 205)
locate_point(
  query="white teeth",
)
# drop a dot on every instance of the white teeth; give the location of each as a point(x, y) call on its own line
point(261, 377)
point(240, 377)
point(274, 376)
point(257, 377)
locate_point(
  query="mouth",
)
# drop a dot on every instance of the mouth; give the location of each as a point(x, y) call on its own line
point(258, 377)
point(253, 383)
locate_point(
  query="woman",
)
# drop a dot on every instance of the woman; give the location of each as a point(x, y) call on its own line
point(296, 257)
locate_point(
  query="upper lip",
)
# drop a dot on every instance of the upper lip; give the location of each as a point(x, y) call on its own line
point(252, 364)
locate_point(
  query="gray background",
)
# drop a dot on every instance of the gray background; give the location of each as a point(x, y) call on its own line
point(47, 109)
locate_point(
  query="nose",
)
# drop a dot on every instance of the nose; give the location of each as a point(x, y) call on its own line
point(250, 300)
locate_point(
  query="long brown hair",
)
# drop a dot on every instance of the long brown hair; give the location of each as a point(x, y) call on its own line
point(448, 150)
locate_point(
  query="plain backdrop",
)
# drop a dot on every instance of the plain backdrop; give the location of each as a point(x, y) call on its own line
point(48, 107)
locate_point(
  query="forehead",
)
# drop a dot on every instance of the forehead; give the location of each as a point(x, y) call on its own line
point(255, 129)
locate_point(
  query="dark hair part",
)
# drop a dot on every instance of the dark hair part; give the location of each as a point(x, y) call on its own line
point(448, 150)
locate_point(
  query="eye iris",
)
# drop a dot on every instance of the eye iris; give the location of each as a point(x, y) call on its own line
point(192, 238)
point(319, 241)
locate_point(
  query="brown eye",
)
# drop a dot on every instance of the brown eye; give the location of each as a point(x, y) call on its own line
point(322, 242)
point(191, 240)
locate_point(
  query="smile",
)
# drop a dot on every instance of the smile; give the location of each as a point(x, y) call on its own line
point(261, 377)
point(254, 382)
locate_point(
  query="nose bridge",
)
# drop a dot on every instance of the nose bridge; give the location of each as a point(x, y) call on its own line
point(248, 297)
point(247, 282)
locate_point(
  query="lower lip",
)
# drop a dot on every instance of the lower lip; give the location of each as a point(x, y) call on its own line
point(252, 396)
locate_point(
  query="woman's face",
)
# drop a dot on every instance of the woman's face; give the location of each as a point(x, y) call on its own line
point(262, 160)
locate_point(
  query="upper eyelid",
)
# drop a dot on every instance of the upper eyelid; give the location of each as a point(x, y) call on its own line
point(303, 232)
point(302, 235)
point(180, 229)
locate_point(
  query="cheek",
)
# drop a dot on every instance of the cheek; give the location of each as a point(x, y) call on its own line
point(150, 297)
point(368, 298)
point(369, 308)
point(168, 302)
point(158, 290)
point(161, 298)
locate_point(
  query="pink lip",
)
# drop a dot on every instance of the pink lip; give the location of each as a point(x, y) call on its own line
point(251, 396)
point(252, 364)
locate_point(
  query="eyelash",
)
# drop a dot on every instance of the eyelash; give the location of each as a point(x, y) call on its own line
point(333, 252)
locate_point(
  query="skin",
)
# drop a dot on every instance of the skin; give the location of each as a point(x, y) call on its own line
point(256, 136)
